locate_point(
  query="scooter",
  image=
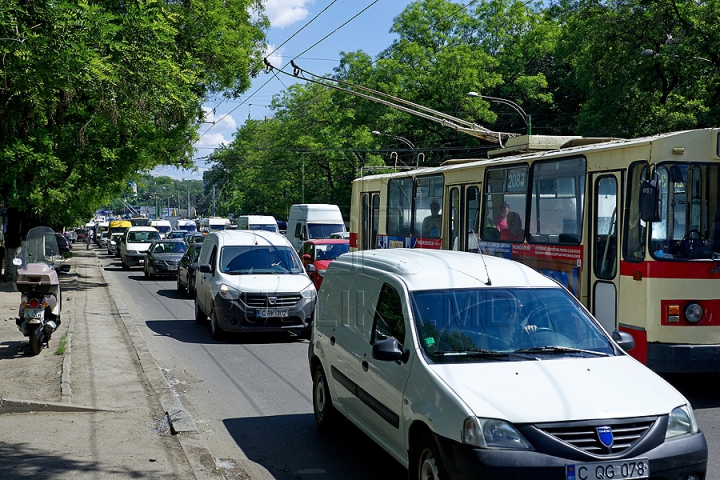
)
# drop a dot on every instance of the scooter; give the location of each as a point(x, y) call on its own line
point(37, 281)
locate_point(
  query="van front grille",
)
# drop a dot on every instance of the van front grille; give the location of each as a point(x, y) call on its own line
point(270, 300)
point(625, 434)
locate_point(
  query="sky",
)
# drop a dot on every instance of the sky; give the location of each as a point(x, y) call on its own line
point(369, 31)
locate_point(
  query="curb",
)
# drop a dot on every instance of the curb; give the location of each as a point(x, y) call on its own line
point(181, 422)
point(9, 405)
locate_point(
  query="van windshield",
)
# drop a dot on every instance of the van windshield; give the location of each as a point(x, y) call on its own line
point(270, 260)
point(142, 237)
point(461, 325)
point(323, 230)
point(267, 227)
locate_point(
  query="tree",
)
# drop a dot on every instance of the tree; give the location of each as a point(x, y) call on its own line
point(93, 92)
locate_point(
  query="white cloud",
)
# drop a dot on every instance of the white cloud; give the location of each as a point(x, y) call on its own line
point(276, 57)
point(286, 12)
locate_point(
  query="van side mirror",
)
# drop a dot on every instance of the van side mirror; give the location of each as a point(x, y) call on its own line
point(205, 268)
point(624, 339)
point(388, 350)
point(310, 268)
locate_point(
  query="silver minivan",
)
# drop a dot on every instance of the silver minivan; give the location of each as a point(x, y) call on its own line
point(250, 281)
point(467, 366)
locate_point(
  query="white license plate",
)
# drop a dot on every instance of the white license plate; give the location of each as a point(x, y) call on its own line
point(34, 312)
point(271, 313)
point(637, 468)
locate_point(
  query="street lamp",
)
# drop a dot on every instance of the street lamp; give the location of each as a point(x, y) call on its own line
point(649, 52)
point(526, 118)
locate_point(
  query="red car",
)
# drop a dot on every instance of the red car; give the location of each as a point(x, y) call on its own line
point(317, 254)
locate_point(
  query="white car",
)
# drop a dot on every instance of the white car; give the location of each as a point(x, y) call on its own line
point(467, 366)
point(134, 245)
point(251, 281)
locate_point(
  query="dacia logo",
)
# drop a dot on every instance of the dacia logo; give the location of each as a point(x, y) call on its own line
point(272, 300)
point(605, 435)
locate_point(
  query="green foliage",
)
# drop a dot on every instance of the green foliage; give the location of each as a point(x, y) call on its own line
point(93, 92)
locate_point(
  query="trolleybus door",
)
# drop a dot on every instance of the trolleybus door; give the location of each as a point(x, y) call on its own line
point(370, 217)
point(603, 247)
point(463, 214)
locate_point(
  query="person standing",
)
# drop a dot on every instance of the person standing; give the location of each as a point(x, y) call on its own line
point(87, 239)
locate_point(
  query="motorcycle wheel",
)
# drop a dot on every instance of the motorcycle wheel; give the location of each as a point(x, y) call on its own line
point(37, 337)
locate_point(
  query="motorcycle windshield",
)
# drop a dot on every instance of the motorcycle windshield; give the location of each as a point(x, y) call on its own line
point(41, 246)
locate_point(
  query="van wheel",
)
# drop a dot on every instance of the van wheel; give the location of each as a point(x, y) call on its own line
point(428, 463)
point(326, 416)
point(217, 332)
point(200, 316)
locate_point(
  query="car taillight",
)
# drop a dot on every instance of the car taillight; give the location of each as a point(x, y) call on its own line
point(34, 303)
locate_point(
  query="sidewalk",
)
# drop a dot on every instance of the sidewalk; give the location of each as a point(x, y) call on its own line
point(101, 409)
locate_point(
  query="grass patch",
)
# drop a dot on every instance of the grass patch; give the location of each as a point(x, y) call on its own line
point(60, 350)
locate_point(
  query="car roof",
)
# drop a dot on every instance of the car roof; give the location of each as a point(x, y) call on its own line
point(250, 238)
point(424, 269)
point(328, 241)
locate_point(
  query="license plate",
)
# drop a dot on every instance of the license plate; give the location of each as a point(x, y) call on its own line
point(271, 313)
point(34, 312)
point(637, 468)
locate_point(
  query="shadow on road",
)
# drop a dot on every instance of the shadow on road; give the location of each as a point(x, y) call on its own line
point(189, 331)
point(291, 447)
point(15, 349)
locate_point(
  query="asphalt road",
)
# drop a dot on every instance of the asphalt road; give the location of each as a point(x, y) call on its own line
point(252, 397)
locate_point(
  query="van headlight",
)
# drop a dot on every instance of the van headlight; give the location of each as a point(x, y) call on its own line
point(228, 293)
point(681, 422)
point(493, 433)
point(309, 292)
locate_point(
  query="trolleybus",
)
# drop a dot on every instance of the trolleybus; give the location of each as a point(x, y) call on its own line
point(631, 227)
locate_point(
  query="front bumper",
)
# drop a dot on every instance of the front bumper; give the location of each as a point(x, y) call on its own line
point(236, 316)
point(670, 460)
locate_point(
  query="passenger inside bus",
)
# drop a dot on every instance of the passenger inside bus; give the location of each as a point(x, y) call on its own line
point(515, 231)
point(501, 217)
point(432, 223)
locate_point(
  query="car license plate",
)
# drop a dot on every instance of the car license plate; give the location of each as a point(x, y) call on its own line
point(637, 468)
point(34, 312)
point(271, 313)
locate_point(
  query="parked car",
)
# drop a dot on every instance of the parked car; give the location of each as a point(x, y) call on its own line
point(79, 235)
point(316, 255)
point(163, 257)
point(134, 244)
point(462, 365)
point(71, 235)
point(64, 246)
point(249, 281)
point(187, 268)
point(103, 239)
point(112, 244)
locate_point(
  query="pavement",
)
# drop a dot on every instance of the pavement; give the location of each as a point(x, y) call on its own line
point(100, 407)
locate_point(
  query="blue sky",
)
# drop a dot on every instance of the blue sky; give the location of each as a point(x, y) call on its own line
point(369, 32)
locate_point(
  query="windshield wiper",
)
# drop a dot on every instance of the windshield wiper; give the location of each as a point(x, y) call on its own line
point(558, 349)
point(471, 352)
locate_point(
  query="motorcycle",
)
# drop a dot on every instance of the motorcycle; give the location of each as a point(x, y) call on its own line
point(37, 280)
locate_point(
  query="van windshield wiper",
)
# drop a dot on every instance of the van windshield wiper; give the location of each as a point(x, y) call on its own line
point(472, 352)
point(558, 350)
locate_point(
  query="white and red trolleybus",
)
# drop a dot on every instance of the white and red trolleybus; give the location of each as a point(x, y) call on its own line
point(631, 227)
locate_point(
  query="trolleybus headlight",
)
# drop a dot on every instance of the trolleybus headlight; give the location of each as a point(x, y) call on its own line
point(693, 312)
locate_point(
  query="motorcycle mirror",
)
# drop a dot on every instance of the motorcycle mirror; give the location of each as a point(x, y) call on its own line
point(17, 261)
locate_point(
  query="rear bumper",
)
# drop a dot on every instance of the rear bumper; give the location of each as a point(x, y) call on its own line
point(669, 358)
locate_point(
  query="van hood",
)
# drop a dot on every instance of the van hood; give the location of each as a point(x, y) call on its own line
point(560, 389)
point(268, 283)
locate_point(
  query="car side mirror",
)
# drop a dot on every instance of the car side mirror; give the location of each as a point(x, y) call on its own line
point(310, 268)
point(205, 268)
point(388, 350)
point(624, 339)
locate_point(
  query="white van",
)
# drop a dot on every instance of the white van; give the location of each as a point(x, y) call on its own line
point(134, 244)
point(311, 221)
point(185, 225)
point(252, 281)
point(257, 222)
point(463, 365)
point(214, 224)
point(162, 226)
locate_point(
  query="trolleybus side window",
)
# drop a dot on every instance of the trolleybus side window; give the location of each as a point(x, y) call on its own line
point(428, 207)
point(635, 232)
point(605, 236)
point(472, 211)
point(505, 203)
point(556, 206)
point(399, 206)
